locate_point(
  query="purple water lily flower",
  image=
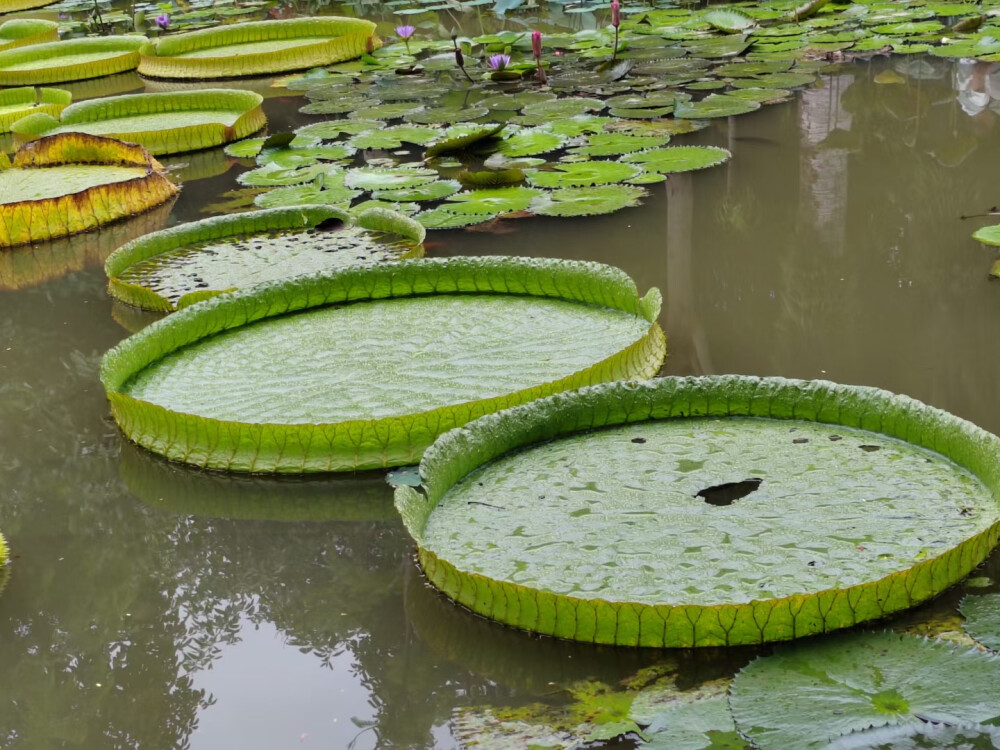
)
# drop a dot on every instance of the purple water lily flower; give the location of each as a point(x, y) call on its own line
point(404, 33)
point(163, 21)
point(499, 62)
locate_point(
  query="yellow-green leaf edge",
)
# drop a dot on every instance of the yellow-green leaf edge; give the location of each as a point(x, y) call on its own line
point(671, 625)
point(363, 444)
point(43, 102)
point(239, 225)
point(127, 58)
point(348, 38)
point(158, 142)
point(28, 221)
point(23, 32)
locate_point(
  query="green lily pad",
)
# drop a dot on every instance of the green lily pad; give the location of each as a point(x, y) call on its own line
point(293, 158)
point(727, 20)
point(330, 130)
point(808, 695)
point(921, 737)
point(747, 70)
point(615, 520)
point(447, 115)
point(616, 144)
point(395, 136)
point(775, 81)
point(274, 175)
point(693, 725)
point(431, 191)
point(481, 334)
point(713, 105)
point(587, 201)
point(584, 174)
point(441, 219)
point(462, 137)
point(982, 619)
point(500, 200)
point(165, 270)
point(988, 235)
point(248, 148)
point(572, 127)
point(531, 142)
point(764, 96)
point(570, 106)
point(332, 192)
point(386, 111)
point(387, 178)
point(679, 158)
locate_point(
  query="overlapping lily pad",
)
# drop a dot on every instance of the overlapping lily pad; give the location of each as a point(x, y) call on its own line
point(291, 392)
point(258, 48)
point(69, 60)
point(71, 183)
point(638, 546)
point(167, 123)
point(27, 100)
point(809, 695)
point(191, 262)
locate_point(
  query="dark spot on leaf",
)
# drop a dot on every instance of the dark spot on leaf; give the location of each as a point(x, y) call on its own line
point(638, 440)
point(870, 448)
point(835, 438)
point(726, 494)
point(801, 440)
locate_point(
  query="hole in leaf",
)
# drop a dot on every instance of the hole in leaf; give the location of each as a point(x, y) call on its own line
point(728, 493)
point(638, 440)
point(870, 448)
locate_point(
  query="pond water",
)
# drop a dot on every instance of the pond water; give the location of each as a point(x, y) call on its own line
point(147, 609)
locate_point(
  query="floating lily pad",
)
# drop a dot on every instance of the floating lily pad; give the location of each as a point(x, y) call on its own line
point(65, 184)
point(166, 123)
point(69, 60)
point(921, 737)
point(565, 107)
point(258, 48)
point(587, 201)
point(4, 551)
point(395, 136)
point(571, 127)
point(583, 174)
point(331, 192)
point(23, 32)
point(446, 115)
point(615, 144)
point(775, 81)
point(288, 393)
point(462, 137)
point(988, 235)
point(703, 724)
point(332, 129)
point(295, 157)
point(440, 219)
point(275, 175)
point(20, 102)
point(491, 201)
point(626, 534)
point(679, 158)
point(165, 270)
point(808, 695)
point(713, 105)
point(383, 178)
point(431, 191)
point(531, 142)
point(728, 20)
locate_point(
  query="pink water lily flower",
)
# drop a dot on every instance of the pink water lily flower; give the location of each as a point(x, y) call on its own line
point(616, 13)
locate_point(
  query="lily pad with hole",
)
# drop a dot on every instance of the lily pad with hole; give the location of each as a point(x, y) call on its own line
point(587, 201)
point(69, 60)
point(491, 202)
point(21, 102)
point(258, 48)
point(808, 695)
point(982, 619)
point(610, 515)
point(167, 270)
point(583, 174)
point(65, 184)
point(713, 105)
point(23, 32)
point(672, 159)
point(166, 123)
point(921, 736)
point(288, 360)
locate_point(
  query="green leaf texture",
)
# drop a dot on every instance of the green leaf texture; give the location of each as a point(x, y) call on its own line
point(718, 617)
point(69, 60)
point(605, 330)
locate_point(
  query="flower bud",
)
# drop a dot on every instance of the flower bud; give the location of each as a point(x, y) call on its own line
point(536, 43)
point(616, 13)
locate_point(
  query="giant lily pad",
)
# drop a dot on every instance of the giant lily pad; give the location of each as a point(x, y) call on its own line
point(69, 60)
point(70, 183)
point(921, 736)
point(166, 270)
point(258, 48)
point(806, 696)
point(711, 511)
point(21, 32)
point(19, 102)
point(167, 123)
point(278, 378)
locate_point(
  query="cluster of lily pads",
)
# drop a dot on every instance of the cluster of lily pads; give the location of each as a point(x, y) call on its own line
point(865, 691)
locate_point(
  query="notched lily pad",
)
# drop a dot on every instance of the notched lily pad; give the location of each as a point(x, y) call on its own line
point(679, 158)
point(582, 174)
point(587, 201)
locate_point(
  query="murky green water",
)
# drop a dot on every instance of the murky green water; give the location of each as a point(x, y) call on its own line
point(138, 615)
